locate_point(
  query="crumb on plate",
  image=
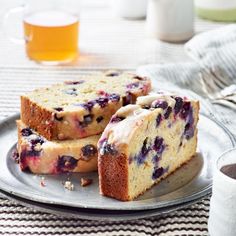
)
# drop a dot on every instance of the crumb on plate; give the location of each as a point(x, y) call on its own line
point(85, 182)
point(68, 185)
point(42, 182)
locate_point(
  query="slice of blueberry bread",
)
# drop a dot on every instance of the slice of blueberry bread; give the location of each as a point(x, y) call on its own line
point(146, 142)
point(77, 109)
point(41, 156)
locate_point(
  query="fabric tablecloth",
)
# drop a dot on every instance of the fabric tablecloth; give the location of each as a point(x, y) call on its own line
point(105, 42)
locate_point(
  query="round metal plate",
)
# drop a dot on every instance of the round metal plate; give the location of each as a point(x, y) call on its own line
point(190, 182)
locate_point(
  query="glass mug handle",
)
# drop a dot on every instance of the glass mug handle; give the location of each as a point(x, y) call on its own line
point(6, 17)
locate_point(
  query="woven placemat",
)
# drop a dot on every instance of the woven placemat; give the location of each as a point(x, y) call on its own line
point(19, 220)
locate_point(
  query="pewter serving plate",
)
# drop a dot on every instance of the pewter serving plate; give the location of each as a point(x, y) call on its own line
point(190, 182)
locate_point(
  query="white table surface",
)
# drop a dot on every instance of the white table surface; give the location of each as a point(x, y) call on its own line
point(105, 40)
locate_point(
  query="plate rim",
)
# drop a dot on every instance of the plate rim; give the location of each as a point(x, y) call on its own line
point(102, 216)
point(202, 193)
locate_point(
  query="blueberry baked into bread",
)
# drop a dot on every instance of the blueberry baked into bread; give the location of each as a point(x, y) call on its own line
point(42, 156)
point(146, 142)
point(78, 109)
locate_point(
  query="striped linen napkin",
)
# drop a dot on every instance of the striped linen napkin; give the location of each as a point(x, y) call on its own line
point(211, 73)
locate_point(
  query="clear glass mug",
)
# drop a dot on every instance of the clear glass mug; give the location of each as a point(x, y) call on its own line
point(51, 29)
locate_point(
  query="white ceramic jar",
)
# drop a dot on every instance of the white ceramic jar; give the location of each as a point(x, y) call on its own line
point(130, 9)
point(170, 20)
point(219, 10)
point(222, 219)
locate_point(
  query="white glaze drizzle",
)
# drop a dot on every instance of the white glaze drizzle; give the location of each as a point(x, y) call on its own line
point(121, 132)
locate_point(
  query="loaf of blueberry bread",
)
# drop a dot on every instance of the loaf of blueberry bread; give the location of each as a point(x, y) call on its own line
point(78, 109)
point(41, 156)
point(146, 142)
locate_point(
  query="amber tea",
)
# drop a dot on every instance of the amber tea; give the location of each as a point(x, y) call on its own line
point(51, 36)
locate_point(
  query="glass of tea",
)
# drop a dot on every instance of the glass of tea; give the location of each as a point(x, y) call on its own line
point(222, 219)
point(51, 29)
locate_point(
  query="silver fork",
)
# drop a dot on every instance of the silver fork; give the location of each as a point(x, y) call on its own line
point(218, 87)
